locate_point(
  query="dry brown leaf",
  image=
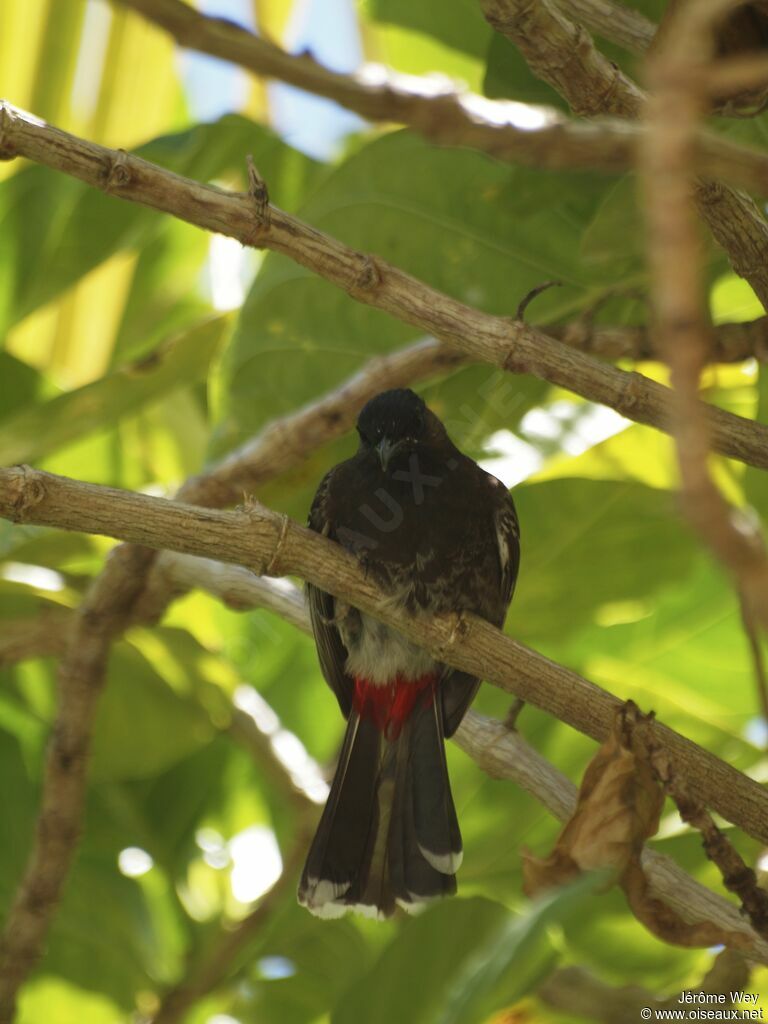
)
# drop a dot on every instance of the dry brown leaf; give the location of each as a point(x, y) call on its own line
point(618, 808)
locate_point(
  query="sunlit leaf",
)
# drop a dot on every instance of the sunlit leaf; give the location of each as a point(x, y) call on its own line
point(40, 429)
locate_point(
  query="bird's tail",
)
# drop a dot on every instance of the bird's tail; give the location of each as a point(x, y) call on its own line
point(388, 834)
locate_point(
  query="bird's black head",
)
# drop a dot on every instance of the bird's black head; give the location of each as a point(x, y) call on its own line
point(397, 421)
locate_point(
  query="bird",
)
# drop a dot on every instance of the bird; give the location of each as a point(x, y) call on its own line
point(438, 534)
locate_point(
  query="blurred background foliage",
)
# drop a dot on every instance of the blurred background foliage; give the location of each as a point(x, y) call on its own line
point(137, 349)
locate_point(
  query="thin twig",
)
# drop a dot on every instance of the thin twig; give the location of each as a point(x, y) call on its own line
point(737, 876)
point(515, 347)
point(532, 294)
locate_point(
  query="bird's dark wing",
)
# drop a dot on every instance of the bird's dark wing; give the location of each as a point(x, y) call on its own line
point(322, 610)
point(458, 688)
point(508, 537)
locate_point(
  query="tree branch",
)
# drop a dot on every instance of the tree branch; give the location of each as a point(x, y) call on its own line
point(614, 22)
point(500, 752)
point(257, 538)
point(564, 56)
point(678, 101)
point(447, 115)
point(514, 346)
point(285, 443)
point(81, 677)
point(731, 342)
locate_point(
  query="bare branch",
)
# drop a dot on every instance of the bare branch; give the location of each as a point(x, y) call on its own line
point(513, 346)
point(254, 537)
point(731, 343)
point(613, 21)
point(677, 103)
point(81, 677)
point(565, 56)
point(500, 752)
point(287, 442)
point(562, 54)
point(446, 115)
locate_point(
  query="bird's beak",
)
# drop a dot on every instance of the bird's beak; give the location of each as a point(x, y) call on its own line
point(385, 449)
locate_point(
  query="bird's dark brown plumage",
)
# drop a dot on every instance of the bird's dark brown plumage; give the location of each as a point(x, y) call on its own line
point(438, 534)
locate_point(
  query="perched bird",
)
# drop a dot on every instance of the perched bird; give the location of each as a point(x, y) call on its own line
point(438, 534)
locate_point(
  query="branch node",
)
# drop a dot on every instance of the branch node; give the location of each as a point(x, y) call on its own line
point(259, 193)
point(460, 628)
point(118, 172)
point(513, 360)
point(630, 393)
point(7, 150)
point(367, 276)
point(31, 491)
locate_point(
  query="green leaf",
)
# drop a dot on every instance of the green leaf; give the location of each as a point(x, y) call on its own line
point(586, 543)
point(51, 221)
point(325, 956)
point(164, 726)
point(487, 236)
point(40, 429)
point(459, 25)
point(682, 652)
point(55, 1001)
point(508, 76)
point(460, 960)
point(19, 384)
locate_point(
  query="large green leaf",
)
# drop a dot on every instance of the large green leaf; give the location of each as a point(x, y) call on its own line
point(587, 543)
point(487, 236)
point(461, 960)
point(19, 384)
point(459, 25)
point(164, 726)
point(59, 1002)
point(40, 429)
point(54, 229)
point(682, 652)
point(325, 958)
